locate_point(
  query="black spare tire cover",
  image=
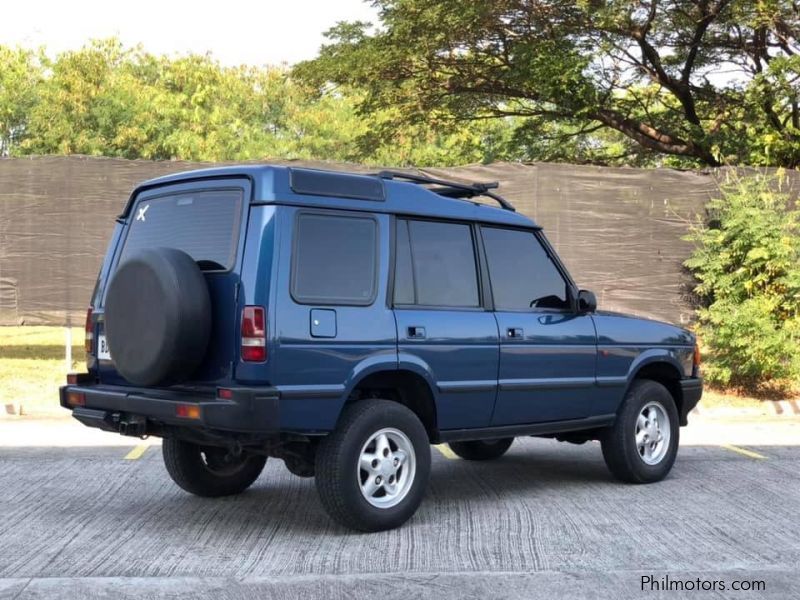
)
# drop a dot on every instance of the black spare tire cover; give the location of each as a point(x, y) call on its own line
point(158, 317)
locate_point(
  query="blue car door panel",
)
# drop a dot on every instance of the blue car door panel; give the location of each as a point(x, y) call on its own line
point(442, 326)
point(548, 352)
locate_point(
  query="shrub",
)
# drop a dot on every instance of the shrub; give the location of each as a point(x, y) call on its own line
point(747, 268)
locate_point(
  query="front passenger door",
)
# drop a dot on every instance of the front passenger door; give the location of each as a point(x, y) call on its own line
point(547, 350)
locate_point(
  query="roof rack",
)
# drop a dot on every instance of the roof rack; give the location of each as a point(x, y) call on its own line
point(452, 189)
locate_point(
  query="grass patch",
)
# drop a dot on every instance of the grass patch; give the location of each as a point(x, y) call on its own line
point(32, 365)
point(714, 397)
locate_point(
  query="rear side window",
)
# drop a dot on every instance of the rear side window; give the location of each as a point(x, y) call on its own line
point(442, 268)
point(204, 224)
point(334, 259)
point(523, 276)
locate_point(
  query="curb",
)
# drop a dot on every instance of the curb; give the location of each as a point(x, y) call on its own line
point(785, 407)
point(766, 408)
point(15, 411)
point(11, 409)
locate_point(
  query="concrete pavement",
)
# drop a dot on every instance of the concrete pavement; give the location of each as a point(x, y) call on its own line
point(80, 520)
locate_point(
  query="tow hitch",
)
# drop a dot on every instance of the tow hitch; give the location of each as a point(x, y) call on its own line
point(133, 425)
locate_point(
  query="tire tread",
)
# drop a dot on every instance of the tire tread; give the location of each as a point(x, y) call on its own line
point(618, 451)
point(184, 465)
point(332, 488)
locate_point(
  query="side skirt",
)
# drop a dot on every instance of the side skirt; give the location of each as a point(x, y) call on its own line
point(504, 431)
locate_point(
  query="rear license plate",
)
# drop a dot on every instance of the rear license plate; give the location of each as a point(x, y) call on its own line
point(103, 353)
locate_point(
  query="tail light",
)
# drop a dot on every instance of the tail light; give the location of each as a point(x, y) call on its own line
point(89, 332)
point(187, 411)
point(76, 399)
point(254, 334)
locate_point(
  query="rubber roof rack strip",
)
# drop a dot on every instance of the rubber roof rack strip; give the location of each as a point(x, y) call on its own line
point(463, 190)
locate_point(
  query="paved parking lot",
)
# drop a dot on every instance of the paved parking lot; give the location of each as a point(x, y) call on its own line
point(80, 520)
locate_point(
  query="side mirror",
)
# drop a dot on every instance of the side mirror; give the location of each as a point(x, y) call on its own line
point(587, 301)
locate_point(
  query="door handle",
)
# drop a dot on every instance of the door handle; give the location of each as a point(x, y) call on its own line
point(515, 332)
point(416, 332)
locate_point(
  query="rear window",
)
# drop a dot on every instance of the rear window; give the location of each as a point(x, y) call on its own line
point(204, 224)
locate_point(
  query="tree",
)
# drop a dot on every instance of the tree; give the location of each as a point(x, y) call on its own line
point(20, 74)
point(106, 99)
point(704, 81)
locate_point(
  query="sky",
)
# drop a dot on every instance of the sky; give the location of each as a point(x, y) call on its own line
point(234, 31)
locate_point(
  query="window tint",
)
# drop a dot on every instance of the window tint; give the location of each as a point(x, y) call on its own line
point(334, 259)
point(443, 264)
point(403, 273)
point(521, 272)
point(204, 224)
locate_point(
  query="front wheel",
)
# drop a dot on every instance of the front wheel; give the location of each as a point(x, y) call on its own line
point(371, 472)
point(481, 449)
point(210, 471)
point(642, 444)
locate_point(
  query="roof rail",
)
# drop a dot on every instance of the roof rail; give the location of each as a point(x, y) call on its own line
point(452, 189)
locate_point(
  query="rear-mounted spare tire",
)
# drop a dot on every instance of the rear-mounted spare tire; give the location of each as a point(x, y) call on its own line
point(158, 317)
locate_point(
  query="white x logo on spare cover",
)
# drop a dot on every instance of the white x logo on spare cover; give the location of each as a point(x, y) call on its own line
point(142, 211)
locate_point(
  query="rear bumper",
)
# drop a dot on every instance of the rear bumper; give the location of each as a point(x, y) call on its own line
point(691, 392)
point(140, 411)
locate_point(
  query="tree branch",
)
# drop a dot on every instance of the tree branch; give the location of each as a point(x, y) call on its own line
point(652, 138)
point(702, 26)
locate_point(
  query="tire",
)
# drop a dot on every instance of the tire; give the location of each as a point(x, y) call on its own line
point(405, 458)
point(482, 449)
point(158, 317)
point(298, 467)
point(203, 471)
point(627, 456)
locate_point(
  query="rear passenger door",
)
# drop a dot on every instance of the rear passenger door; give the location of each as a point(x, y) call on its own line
point(443, 327)
point(547, 350)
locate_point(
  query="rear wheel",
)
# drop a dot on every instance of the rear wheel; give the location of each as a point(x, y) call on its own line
point(642, 444)
point(482, 449)
point(210, 471)
point(372, 471)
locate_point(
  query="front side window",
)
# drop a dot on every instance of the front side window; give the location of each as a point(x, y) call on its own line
point(334, 259)
point(435, 265)
point(522, 275)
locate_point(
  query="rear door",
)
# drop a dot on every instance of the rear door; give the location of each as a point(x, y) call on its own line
point(206, 220)
point(547, 350)
point(443, 326)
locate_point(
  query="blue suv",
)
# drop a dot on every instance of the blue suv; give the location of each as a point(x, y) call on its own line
point(344, 322)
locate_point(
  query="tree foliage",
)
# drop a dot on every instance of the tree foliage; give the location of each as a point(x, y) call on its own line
point(695, 81)
point(747, 265)
point(20, 76)
point(105, 99)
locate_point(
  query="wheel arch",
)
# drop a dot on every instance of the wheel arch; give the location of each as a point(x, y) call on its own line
point(405, 386)
point(664, 370)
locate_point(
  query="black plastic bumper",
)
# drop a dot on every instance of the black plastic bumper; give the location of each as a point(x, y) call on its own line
point(127, 409)
point(691, 392)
